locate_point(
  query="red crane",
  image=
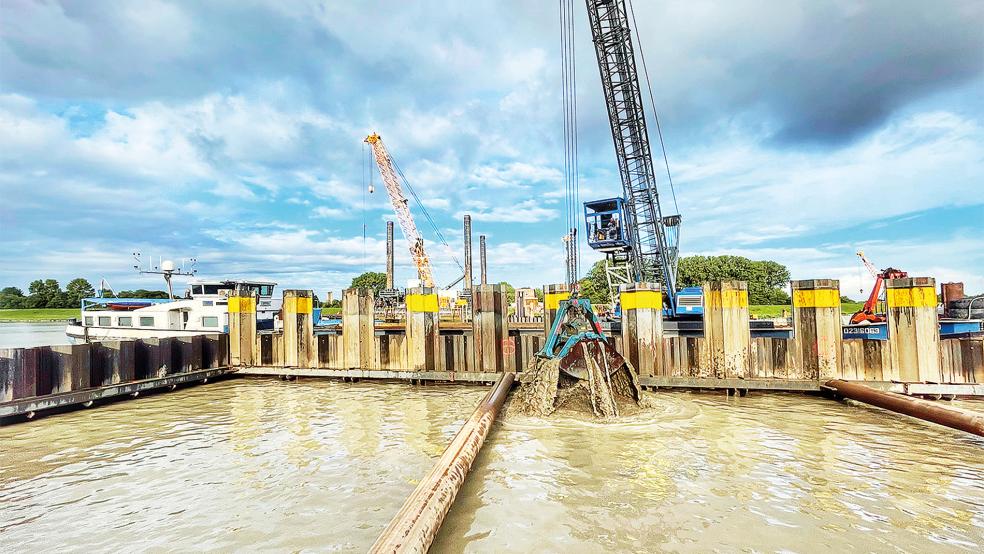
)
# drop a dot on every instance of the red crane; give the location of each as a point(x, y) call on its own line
point(867, 312)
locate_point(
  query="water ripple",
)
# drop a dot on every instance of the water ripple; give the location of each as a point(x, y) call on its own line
point(255, 464)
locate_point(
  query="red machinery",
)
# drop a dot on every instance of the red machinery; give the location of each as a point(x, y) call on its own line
point(867, 312)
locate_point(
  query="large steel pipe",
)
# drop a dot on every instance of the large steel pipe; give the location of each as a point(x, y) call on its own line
point(418, 521)
point(482, 259)
point(389, 255)
point(922, 409)
point(467, 284)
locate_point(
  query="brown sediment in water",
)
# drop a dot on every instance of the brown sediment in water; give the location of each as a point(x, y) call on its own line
point(604, 393)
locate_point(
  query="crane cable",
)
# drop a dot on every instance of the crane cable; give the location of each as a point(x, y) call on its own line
point(433, 224)
point(569, 85)
point(365, 185)
point(652, 102)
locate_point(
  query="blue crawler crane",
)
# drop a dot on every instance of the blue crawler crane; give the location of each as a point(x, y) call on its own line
point(607, 230)
point(639, 242)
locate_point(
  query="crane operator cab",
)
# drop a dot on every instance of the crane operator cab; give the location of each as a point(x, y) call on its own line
point(604, 222)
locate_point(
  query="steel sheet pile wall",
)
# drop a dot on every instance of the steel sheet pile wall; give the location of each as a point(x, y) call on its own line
point(642, 326)
point(298, 329)
point(817, 350)
point(490, 329)
point(421, 346)
point(244, 350)
point(726, 330)
point(727, 352)
point(57, 370)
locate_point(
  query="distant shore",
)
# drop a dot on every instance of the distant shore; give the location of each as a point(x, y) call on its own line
point(39, 315)
point(767, 311)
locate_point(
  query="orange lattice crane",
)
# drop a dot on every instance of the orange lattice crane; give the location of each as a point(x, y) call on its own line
point(391, 180)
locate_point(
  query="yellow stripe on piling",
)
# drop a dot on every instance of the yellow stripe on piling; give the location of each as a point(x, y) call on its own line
point(298, 304)
point(916, 297)
point(551, 300)
point(243, 304)
point(727, 299)
point(642, 300)
point(422, 303)
point(818, 298)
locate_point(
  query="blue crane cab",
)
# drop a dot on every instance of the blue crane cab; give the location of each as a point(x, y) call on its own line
point(604, 222)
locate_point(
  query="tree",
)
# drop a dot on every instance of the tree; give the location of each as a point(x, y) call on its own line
point(510, 292)
point(370, 280)
point(594, 285)
point(12, 298)
point(142, 293)
point(43, 294)
point(77, 289)
point(766, 279)
point(61, 300)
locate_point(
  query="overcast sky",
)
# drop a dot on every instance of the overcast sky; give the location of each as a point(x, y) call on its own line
point(232, 131)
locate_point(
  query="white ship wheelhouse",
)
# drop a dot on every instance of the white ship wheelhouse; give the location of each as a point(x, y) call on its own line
point(202, 309)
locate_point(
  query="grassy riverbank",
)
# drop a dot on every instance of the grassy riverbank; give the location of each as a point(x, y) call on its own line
point(776, 310)
point(43, 314)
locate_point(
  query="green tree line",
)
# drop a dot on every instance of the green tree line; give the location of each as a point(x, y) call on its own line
point(767, 280)
point(47, 293)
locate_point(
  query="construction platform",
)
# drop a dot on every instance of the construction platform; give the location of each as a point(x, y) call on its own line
point(914, 360)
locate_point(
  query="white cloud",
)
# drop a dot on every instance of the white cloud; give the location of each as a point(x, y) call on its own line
point(524, 212)
point(515, 175)
point(334, 213)
point(752, 194)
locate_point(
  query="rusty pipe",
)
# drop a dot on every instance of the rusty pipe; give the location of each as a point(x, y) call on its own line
point(468, 253)
point(482, 259)
point(915, 407)
point(389, 255)
point(414, 527)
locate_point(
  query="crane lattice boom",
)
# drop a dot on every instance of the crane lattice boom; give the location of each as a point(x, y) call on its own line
point(871, 267)
point(392, 182)
point(653, 255)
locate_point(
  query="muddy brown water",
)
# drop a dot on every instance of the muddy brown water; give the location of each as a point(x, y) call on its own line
point(238, 465)
point(708, 473)
point(266, 465)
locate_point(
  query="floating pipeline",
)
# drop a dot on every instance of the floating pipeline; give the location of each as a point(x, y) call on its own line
point(914, 407)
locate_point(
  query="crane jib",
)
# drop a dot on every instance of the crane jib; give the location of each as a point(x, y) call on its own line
point(400, 205)
point(652, 255)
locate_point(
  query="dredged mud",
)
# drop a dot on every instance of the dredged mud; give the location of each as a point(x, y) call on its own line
point(604, 393)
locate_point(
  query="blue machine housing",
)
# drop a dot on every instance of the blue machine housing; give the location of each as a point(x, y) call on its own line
point(604, 225)
point(690, 302)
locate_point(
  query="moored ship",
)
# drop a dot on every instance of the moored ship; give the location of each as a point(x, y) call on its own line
point(202, 309)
